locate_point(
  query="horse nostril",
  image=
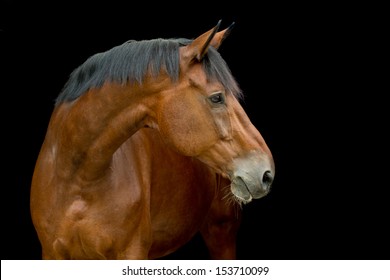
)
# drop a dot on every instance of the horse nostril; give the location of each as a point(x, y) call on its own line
point(267, 178)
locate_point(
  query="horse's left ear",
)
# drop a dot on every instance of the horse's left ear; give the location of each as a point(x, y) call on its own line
point(199, 46)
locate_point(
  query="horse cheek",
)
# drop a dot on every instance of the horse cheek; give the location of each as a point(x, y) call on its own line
point(186, 127)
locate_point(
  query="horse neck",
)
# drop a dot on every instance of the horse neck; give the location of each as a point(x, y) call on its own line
point(92, 128)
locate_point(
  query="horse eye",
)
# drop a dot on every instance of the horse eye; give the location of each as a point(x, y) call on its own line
point(217, 98)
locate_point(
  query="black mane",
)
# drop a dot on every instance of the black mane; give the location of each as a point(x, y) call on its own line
point(131, 61)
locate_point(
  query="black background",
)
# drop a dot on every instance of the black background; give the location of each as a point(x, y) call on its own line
point(307, 74)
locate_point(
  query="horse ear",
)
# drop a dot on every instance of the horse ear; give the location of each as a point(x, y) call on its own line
point(199, 46)
point(221, 35)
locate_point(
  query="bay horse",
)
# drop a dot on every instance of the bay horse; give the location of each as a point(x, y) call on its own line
point(147, 145)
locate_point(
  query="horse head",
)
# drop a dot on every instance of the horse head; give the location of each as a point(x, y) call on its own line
point(201, 116)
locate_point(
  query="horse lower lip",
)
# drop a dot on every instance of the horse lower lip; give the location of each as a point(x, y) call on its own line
point(240, 183)
point(241, 190)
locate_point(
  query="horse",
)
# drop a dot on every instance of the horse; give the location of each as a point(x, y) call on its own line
point(148, 145)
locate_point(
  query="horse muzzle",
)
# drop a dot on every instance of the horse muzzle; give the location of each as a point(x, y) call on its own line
point(252, 177)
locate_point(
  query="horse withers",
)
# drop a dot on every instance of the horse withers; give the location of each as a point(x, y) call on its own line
point(148, 145)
